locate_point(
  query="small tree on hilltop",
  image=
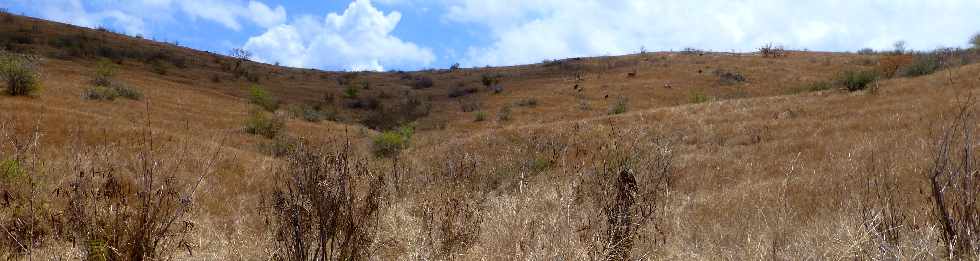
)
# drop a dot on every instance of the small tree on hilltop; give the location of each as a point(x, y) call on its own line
point(241, 55)
point(975, 41)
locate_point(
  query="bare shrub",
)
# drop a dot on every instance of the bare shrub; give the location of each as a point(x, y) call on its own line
point(123, 206)
point(623, 195)
point(884, 211)
point(22, 215)
point(955, 185)
point(451, 213)
point(327, 206)
point(771, 50)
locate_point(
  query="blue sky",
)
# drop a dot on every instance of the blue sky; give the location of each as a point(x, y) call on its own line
point(418, 34)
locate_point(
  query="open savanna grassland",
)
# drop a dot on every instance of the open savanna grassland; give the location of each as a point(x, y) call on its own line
point(684, 155)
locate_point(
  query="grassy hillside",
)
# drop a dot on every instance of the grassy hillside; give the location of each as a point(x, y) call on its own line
point(672, 155)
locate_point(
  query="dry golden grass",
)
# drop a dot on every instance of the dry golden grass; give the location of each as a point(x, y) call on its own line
point(759, 172)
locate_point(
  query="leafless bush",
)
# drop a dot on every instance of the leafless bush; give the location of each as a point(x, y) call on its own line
point(22, 224)
point(955, 186)
point(884, 213)
point(770, 50)
point(133, 207)
point(451, 213)
point(626, 192)
point(327, 207)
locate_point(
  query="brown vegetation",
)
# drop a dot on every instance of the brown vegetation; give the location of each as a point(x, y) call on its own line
point(752, 174)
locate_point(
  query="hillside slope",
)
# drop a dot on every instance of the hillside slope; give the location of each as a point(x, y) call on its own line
point(755, 162)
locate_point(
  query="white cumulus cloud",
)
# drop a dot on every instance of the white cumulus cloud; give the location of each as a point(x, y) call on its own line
point(529, 31)
point(132, 16)
point(358, 39)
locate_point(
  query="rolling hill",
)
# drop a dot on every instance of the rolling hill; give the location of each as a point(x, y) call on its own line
point(660, 155)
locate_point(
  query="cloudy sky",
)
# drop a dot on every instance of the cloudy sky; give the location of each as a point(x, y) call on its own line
point(417, 34)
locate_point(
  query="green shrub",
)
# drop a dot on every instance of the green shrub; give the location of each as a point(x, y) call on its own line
point(858, 80)
point(529, 102)
point(10, 169)
point(480, 116)
point(104, 73)
point(923, 64)
point(264, 124)
point(99, 93)
point(390, 143)
point(261, 98)
point(110, 93)
point(127, 92)
point(351, 92)
point(20, 74)
point(819, 86)
point(159, 68)
point(620, 106)
point(310, 113)
point(699, 97)
point(504, 114)
point(489, 79)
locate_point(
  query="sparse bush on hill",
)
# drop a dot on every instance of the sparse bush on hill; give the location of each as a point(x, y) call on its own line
point(620, 106)
point(975, 41)
point(105, 87)
point(698, 97)
point(469, 105)
point(261, 98)
point(311, 113)
point(899, 47)
point(489, 80)
point(351, 92)
point(504, 114)
point(770, 50)
point(265, 124)
point(159, 68)
point(819, 86)
point(528, 102)
point(104, 73)
point(407, 110)
point(858, 80)
point(390, 143)
point(460, 91)
point(922, 64)
point(692, 51)
point(19, 73)
point(890, 66)
point(867, 51)
point(423, 82)
point(480, 116)
point(729, 77)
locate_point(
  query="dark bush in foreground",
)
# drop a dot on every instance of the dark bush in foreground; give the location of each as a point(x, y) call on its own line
point(19, 74)
point(858, 80)
point(327, 207)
